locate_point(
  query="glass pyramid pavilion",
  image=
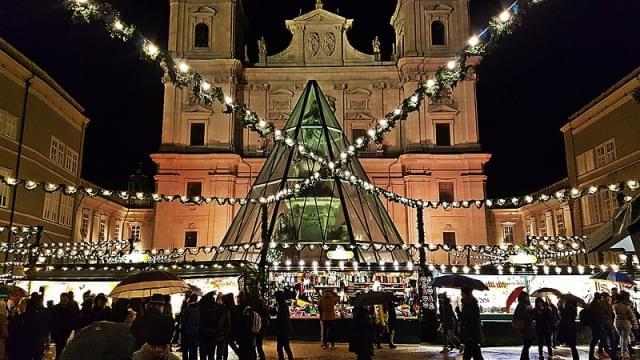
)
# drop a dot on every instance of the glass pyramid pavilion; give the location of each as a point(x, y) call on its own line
point(331, 213)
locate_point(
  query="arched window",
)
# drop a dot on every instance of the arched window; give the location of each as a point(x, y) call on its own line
point(437, 33)
point(202, 36)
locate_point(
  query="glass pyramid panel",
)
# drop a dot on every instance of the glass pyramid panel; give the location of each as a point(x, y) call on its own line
point(334, 211)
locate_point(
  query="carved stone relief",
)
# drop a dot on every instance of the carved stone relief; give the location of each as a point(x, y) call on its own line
point(329, 44)
point(313, 44)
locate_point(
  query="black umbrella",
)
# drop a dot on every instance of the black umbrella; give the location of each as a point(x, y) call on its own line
point(147, 283)
point(455, 281)
point(101, 341)
point(373, 298)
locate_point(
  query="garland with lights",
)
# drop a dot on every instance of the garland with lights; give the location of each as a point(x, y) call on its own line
point(298, 189)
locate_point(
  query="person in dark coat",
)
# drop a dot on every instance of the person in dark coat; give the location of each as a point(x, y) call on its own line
point(470, 325)
point(62, 323)
point(246, 339)
point(361, 334)
point(545, 326)
point(29, 331)
point(85, 315)
point(602, 317)
point(282, 327)
point(208, 324)
point(448, 324)
point(120, 310)
point(567, 328)
point(190, 326)
point(392, 324)
point(223, 330)
point(261, 310)
point(523, 323)
point(100, 310)
point(152, 317)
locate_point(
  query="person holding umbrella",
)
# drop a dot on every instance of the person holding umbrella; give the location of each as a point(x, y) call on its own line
point(448, 324)
point(151, 318)
point(567, 328)
point(361, 333)
point(545, 326)
point(470, 325)
point(523, 323)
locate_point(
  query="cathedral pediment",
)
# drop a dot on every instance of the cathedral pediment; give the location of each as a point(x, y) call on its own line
point(319, 39)
point(442, 108)
point(197, 108)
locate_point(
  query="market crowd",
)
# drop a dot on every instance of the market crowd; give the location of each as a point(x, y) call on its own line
point(138, 329)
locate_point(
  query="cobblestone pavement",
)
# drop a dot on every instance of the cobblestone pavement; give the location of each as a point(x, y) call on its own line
point(313, 351)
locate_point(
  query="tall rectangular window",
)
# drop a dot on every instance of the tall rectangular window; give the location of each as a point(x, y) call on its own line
point(560, 226)
point(542, 225)
point(507, 233)
point(190, 239)
point(58, 152)
point(8, 123)
point(443, 135)
point(196, 136)
point(84, 224)
point(605, 153)
point(102, 229)
point(530, 227)
point(51, 206)
point(608, 205)
point(590, 207)
point(116, 230)
point(5, 190)
point(194, 188)
point(66, 210)
point(445, 191)
point(449, 238)
point(71, 161)
point(135, 232)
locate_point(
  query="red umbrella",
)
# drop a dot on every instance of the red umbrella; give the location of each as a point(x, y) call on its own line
point(514, 295)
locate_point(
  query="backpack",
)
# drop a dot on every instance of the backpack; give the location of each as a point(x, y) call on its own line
point(254, 320)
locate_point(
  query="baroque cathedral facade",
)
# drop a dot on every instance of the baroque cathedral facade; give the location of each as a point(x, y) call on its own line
point(435, 154)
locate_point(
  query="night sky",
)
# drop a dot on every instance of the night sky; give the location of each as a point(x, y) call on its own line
point(566, 53)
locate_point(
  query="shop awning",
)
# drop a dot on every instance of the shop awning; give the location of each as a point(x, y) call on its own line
point(117, 272)
point(622, 232)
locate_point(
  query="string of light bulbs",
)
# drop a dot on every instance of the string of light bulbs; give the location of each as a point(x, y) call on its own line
point(622, 188)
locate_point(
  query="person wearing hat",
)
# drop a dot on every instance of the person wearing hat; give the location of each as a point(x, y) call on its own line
point(157, 345)
point(148, 320)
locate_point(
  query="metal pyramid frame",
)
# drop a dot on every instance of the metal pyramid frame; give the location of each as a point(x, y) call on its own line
point(332, 213)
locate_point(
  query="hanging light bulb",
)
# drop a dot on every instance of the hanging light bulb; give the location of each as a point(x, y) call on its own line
point(228, 100)
point(504, 16)
point(205, 86)
point(118, 25)
point(451, 65)
point(183, 67)
point(474, 41)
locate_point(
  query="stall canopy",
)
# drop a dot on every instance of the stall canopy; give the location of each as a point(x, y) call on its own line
point(622, 232)
point(332, 213)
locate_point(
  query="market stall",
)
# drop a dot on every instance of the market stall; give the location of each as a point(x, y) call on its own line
point(206, 276)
